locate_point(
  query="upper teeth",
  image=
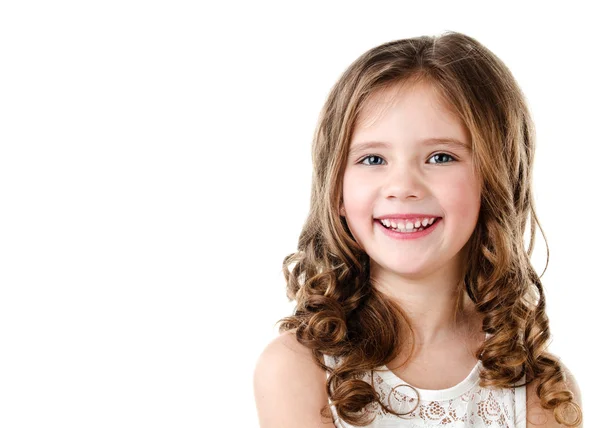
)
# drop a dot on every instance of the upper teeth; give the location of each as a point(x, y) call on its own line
point(408, 224)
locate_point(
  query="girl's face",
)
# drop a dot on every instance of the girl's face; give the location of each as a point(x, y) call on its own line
point(410, 157)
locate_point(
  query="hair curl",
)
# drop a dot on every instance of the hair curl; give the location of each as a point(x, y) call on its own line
point(338, 312)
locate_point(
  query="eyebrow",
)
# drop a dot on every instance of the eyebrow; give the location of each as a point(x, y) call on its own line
point(451, 142)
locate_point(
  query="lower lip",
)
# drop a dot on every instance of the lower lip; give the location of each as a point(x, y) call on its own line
point(412, 235)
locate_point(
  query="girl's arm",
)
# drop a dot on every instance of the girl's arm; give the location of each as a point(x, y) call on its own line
point(289, 387)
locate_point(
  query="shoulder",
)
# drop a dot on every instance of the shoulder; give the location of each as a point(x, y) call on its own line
point(289, 386)
point(538, 417)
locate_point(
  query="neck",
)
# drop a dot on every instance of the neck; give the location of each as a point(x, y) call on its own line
point(437, 308)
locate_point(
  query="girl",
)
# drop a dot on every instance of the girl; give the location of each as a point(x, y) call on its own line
point(416, 301)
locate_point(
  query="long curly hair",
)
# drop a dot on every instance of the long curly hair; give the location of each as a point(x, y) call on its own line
point(338, 312)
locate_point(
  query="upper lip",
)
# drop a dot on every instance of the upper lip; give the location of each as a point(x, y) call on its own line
point(406, 216)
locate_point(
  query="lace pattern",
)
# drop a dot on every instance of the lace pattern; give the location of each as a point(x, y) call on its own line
point(474, 406)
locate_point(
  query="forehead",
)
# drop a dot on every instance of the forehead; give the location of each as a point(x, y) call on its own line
point(411, 105)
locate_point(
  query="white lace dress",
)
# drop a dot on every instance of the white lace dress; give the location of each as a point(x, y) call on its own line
point(463, 405)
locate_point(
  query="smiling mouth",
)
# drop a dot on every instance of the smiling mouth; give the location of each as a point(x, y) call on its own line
point(408, 227)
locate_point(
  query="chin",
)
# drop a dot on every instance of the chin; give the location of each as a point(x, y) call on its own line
point(408, 271)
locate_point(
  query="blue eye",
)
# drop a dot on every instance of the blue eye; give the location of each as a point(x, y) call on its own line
point(440, 158)
point(370, 158)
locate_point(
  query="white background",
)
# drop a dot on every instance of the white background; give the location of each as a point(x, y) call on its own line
point(155, 171)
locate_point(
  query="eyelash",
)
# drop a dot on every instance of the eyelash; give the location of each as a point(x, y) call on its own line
point(435, 154)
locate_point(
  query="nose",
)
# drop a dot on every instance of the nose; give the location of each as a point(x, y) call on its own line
point(404, 182)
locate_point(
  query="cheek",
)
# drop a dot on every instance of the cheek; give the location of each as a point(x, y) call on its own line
point(358, 197)
point(352, 190)
point(463, 197)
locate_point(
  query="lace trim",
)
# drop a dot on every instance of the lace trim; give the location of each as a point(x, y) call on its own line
point(435, 394)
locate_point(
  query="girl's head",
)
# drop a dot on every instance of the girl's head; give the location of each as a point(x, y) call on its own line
point(406, 94)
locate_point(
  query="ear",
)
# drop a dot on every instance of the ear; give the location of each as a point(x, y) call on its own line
point(342, 210)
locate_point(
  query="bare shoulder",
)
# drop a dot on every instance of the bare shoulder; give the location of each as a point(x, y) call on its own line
point(538, 417)
point(289, 386)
